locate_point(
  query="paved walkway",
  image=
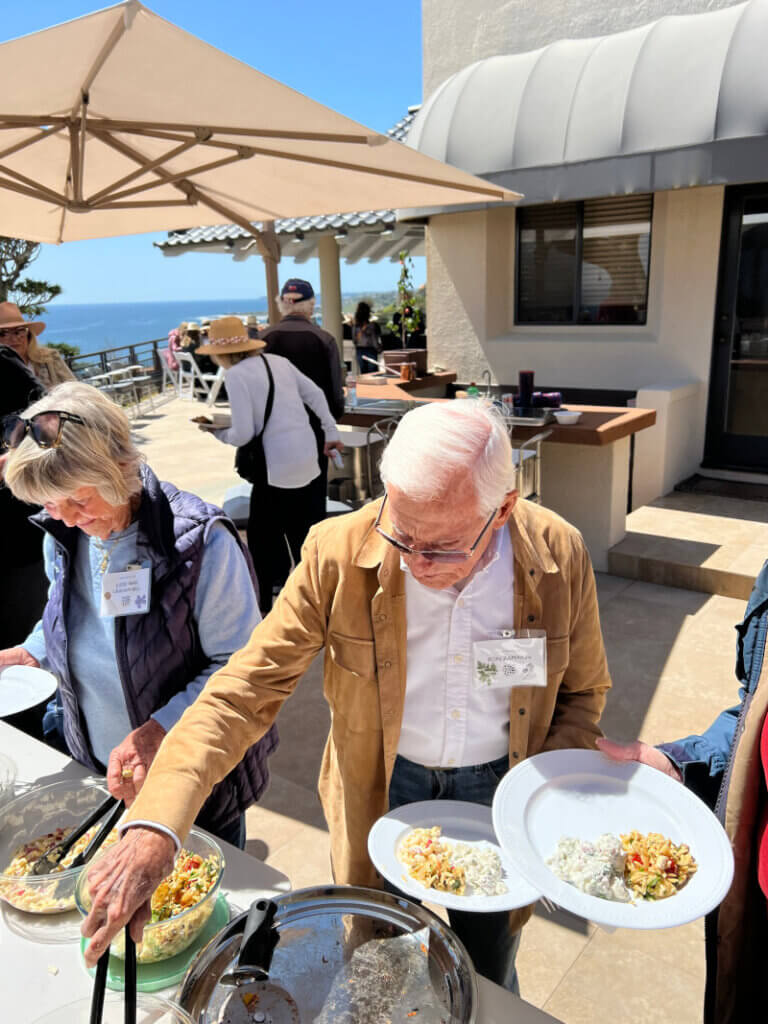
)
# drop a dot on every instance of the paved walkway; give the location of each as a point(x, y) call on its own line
point(671, 654)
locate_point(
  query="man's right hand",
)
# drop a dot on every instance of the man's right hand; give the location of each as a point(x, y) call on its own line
point(121, 884)
point(642, 752)
point(17, 656)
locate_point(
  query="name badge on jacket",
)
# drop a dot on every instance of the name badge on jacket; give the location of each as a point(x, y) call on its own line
point(125, 593)
point(516, 658)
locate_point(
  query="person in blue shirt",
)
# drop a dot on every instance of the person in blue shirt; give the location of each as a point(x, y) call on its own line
point(151, 591)
point(727, 766)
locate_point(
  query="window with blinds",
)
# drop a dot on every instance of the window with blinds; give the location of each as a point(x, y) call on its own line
point(584, 263)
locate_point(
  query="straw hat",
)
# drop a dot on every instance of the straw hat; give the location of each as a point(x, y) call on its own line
point(228, 335)
point(10, 316)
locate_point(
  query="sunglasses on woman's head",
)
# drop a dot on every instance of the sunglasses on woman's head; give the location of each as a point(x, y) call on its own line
point(44, 428)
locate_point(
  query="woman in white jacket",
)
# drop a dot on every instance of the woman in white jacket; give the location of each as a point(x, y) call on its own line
point(268, 395)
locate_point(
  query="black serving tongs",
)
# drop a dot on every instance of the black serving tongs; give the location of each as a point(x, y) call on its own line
point(57, 853)
point(100, 983)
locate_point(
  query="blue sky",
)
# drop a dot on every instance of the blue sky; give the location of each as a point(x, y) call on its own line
point(362, 59)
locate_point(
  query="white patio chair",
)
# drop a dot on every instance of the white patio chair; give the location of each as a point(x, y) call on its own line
point(216, 385)
point(191, 380)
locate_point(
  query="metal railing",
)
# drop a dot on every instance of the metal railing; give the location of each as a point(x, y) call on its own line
point(141, 353)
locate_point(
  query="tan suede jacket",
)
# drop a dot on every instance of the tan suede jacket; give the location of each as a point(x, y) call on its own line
point(348, 595)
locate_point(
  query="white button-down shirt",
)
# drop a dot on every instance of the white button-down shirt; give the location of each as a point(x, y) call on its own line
point(447, 723)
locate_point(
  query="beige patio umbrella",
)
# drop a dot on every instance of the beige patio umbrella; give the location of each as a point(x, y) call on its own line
point(120, 122)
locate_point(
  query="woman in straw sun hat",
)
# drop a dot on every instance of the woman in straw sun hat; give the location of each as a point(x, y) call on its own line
point(267, 396)
point(21, 336)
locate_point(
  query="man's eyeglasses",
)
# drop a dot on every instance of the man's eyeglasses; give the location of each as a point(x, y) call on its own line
point(432, 555)
point(44, 428)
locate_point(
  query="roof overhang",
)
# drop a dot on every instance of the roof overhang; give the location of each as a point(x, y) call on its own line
point(374, 236)
point(680, 102)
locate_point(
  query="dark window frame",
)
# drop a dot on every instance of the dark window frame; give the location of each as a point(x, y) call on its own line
point(577, 280)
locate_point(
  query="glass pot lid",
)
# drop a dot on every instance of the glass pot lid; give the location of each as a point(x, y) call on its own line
point(343, 955)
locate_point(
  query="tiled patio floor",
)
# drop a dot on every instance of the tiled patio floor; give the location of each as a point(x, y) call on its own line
point(671, 654)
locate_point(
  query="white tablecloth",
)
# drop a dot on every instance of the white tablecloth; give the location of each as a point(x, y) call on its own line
point(40, 963)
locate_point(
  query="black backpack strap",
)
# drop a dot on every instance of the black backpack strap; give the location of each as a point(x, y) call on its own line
point(270, 396)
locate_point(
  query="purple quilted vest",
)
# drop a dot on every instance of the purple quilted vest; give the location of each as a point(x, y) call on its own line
point(157, 653)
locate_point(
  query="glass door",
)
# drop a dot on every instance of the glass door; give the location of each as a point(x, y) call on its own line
point(737, 418)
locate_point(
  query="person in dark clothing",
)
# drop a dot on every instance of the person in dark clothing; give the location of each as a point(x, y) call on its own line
point(366, 335)
point(22, 594)
point(314, 353)
point(24, 586)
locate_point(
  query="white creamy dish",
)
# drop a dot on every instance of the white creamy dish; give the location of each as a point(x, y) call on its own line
point(596, 868)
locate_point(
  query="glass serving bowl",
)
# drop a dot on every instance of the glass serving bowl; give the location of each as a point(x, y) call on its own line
point(149, 1010)
point(7, 779)
point(37, 812)
point(164, 939)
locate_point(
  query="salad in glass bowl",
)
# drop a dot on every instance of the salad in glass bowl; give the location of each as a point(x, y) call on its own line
point(29, 826)
point(181, 904)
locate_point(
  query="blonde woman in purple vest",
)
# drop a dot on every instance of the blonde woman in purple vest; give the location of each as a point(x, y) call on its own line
point(151, 590)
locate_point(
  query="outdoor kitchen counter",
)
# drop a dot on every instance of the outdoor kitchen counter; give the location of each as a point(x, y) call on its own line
point(40, 963)
point(585, 466)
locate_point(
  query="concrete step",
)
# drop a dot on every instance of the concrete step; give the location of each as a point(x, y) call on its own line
point(709, 543)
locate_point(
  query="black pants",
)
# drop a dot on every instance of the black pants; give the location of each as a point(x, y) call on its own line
point(278, 521)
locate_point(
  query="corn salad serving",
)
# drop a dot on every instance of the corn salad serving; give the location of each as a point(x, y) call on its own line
point(655, 867)
point(429, 860)
point(40, 896)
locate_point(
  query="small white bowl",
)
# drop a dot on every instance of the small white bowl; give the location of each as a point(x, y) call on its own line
point(565, 416)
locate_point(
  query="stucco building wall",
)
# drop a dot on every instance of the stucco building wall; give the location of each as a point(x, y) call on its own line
point(471, 287)
point(457, 33)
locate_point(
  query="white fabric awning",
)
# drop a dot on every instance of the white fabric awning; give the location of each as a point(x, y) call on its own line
point(680, 102)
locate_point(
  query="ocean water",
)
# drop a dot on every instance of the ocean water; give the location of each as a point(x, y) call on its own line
point(110, 324)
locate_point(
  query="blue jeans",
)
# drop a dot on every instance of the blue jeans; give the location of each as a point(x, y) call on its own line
point(488, 939)
point(233, 832)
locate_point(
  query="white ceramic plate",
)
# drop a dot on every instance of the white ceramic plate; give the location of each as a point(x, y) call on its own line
point(459, 820)
point(22, 686)
point(582, 793)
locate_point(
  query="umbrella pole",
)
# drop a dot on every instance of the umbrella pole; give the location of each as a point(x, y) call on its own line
point(273, 287)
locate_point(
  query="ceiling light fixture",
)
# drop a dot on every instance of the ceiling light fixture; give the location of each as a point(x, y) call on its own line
point(340, 234)
point(298, 236)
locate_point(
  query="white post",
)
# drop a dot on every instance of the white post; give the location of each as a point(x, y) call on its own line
point(330, 286)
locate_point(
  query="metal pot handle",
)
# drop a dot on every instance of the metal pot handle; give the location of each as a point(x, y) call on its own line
point(257, 947)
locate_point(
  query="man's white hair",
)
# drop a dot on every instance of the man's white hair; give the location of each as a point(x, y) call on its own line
point(306, 307)
point(437, 442)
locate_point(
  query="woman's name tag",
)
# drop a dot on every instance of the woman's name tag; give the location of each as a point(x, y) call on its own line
point(125, 593)
point(516, 658)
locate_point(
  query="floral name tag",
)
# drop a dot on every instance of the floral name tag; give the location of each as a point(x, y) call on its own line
point(519, 659)
point(125, 593)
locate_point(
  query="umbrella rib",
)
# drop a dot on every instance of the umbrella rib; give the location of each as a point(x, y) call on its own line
point(184, 186)
point(146, 204)
point(41, 190)
point(149, 165)
point(114, 37)
point(108, 124)
point(382, 172)
point(33, 193)
point(44, 134)
point(171, 179)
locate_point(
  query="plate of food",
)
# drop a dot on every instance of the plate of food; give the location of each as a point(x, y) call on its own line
point(446, 852)
point(618, 843)
point(23, 687)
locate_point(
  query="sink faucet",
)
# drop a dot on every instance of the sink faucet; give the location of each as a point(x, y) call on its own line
point(487, 378)
point(381, 367)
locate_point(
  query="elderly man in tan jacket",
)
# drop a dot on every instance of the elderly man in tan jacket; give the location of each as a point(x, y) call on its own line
point(397, 594)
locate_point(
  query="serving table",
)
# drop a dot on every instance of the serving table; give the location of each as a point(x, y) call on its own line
point(40, 963)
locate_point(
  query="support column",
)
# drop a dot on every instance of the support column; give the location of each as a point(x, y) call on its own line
point(330, 286)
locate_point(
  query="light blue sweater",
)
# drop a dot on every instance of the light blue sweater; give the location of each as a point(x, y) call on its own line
point(226, 611)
